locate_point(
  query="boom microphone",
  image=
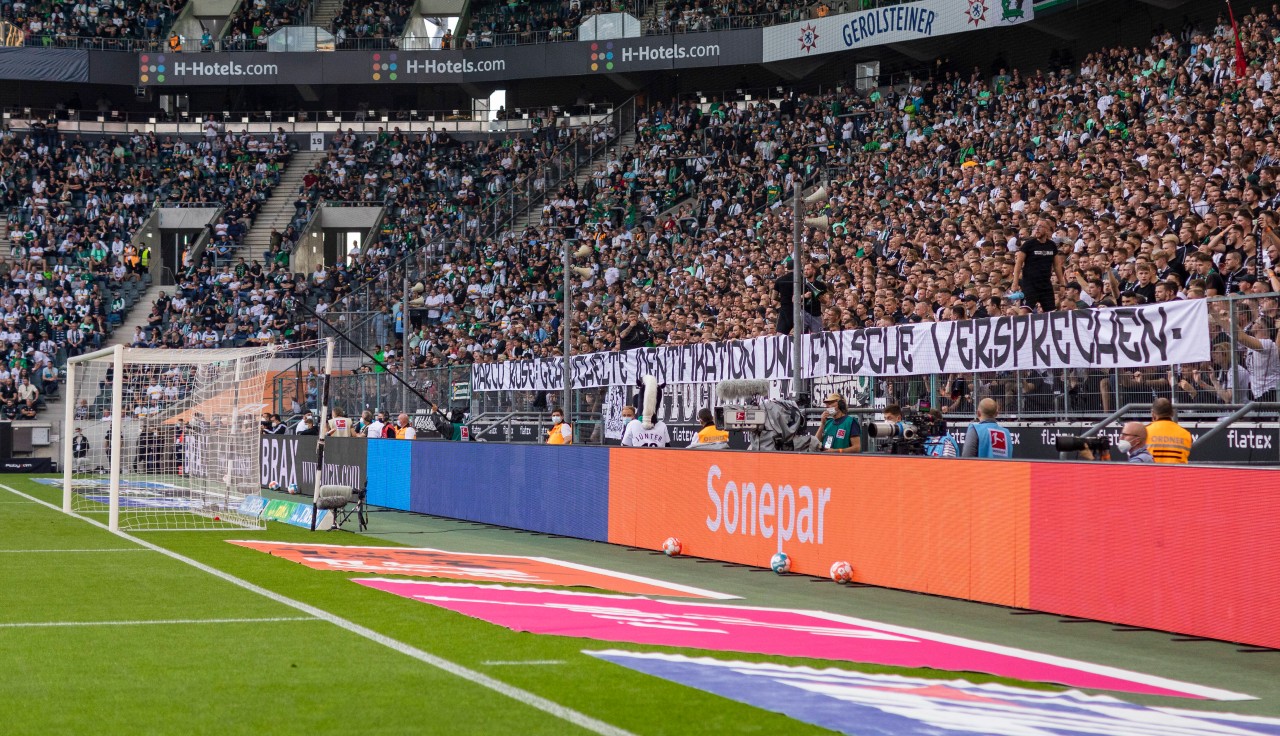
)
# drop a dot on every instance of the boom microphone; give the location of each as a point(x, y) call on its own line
point(741, 390)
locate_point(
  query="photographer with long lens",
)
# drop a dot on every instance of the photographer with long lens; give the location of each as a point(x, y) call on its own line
point(939, 442)
point(1133, 442)
point(908, 432)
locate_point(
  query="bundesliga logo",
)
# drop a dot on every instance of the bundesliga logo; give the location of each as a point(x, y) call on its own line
point(976, 12)
point(808, 38)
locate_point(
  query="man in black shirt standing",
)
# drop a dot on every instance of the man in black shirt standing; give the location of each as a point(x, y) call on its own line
point(1037, 262)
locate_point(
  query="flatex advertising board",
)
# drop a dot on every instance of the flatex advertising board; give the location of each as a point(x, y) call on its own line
point(385, 67)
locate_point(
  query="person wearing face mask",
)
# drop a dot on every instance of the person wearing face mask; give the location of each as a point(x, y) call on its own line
point(561, 432)
point(1133, 441)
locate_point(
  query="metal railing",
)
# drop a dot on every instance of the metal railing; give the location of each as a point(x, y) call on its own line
point(94, 43)
point(694, 23)
point(698, 23)
point(1201, 391)
point(115, 122)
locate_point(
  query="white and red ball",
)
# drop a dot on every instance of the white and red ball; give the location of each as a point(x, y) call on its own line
point(841, 572)
point(672, 547)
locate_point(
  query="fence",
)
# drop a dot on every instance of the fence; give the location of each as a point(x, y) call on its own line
point(1236, 374)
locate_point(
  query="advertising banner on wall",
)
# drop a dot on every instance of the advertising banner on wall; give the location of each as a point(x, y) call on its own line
point(1153, 335)
point(744, 507)
point(894, 24)
point(290, 461)
point(389, 67)
point(1105, 541)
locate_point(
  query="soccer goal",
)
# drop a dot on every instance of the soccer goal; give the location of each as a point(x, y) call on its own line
point(165, 439)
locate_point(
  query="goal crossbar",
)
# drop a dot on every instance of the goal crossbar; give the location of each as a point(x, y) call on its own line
point(184, 458)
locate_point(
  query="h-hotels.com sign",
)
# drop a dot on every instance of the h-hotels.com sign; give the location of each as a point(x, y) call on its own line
point(161, 68)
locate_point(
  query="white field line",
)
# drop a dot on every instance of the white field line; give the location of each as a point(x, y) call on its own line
point(518, 694)
point(39, 551)
point(170, 622)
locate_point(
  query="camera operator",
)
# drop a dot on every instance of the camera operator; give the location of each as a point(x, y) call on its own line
point(1133, 441)
point(940, 443)
point(985, 437)
point(839, 430)
point(710, 435)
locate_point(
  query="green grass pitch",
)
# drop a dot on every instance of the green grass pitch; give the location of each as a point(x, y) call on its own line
point(230, 661)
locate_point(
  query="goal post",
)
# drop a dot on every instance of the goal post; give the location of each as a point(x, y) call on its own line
point(160, 439)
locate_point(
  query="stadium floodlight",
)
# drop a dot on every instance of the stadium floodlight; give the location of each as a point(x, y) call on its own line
point(160, 439)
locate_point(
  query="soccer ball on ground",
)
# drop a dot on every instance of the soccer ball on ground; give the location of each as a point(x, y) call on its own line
point(293, 489)
point(273, 486)
point(780, 563)
point(671, 547)
point(841, 572)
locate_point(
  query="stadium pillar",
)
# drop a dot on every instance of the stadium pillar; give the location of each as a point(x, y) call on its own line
point(404, 341)
point(566, 375)
point(797, 301)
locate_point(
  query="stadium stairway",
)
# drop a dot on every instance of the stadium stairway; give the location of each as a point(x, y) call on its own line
point(650, 19)
point(324, 13)
point(534, 215)
point(5, 245)
point(277, 212)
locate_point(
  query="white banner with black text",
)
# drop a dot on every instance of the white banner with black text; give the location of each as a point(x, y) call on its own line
point(1127, 337)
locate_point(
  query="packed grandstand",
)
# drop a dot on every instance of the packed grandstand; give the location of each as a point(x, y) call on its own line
point(1153, 171)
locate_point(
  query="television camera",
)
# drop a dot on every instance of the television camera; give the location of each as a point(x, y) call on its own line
point(773, 424)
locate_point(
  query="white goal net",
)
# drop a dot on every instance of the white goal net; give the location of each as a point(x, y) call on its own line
point(165, 439)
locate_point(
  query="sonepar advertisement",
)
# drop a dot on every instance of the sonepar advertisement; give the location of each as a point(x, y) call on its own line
point(805, 39)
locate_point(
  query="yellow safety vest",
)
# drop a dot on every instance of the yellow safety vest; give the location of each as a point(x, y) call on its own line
point(712, 433)
point(556, 437)
point(1168, 443)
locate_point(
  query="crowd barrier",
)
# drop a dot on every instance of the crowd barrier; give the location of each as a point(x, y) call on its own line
point(1185, 549)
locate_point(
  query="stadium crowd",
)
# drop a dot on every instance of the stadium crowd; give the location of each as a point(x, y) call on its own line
point(1149, 175)
point(122, 23)
point(256, 19)
point(1152, 172)
point(509, 22)
point(360, 23)
point(73, 207)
